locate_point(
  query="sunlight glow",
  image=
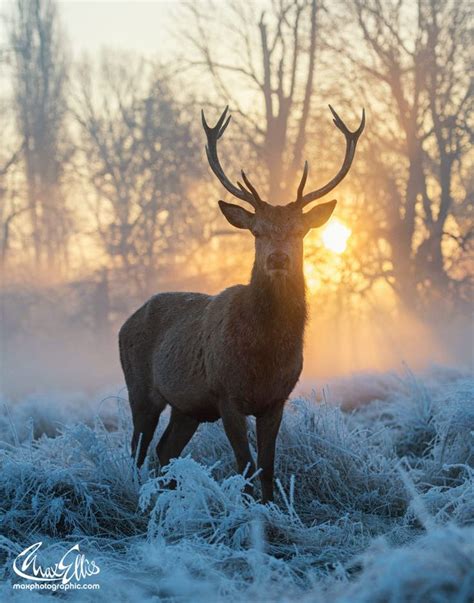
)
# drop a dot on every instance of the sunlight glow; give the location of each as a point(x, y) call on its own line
point(335, 236)
point(311, 277)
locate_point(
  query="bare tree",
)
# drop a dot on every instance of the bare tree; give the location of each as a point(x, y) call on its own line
point(272, 60)
point(415, 63)
point(10, 207)
point(142, 159)
point(40, 71)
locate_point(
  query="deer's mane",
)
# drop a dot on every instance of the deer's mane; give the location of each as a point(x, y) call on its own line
point(279, 303)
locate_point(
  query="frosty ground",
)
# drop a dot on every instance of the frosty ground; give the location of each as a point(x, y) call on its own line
point(375, 499)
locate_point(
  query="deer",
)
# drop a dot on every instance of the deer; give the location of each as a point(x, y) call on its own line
point(238, 353)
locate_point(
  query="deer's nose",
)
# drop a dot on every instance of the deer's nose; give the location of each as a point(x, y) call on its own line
point(278, 261)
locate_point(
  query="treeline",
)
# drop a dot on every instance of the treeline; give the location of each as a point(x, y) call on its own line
point(105, 194)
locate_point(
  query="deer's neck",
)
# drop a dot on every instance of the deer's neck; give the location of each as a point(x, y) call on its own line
point(278, 304)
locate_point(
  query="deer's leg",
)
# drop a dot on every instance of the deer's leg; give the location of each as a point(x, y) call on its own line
point(180, 430)
point(268, 425)
point(235, 426)
point(145, 414)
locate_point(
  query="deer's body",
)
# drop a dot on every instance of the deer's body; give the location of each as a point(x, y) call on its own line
point(205, 350)
point(235, 354)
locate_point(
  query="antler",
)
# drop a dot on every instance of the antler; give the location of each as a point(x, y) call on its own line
point(351, 143)
point(248, 194)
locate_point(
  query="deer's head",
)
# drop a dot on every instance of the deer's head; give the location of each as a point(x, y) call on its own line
point(278, 230)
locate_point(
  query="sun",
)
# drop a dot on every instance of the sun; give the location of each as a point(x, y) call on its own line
point(335, 236)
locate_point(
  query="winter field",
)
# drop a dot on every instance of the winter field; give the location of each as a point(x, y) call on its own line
point(375, 500)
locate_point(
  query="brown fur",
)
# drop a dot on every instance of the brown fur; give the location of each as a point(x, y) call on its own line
point(227, 356)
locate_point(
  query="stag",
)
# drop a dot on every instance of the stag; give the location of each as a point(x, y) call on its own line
point(234, 354)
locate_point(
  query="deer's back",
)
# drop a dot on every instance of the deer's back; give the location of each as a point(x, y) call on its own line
point(160, 337)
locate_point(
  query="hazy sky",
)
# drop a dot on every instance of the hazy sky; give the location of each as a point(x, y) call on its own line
point(132, 24)
point(139, 25)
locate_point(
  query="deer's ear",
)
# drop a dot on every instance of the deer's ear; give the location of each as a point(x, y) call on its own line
point(236, 215)
point(319, 215)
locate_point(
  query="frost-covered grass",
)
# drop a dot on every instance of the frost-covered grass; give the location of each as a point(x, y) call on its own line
point(374, 504)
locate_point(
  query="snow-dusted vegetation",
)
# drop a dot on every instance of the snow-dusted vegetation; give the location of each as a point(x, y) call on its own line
point(374, 503)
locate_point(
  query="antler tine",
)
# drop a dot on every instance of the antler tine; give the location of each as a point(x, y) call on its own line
point(299, 196)
point(250, 187)
point(220, 126)
point(342, 126)
point(351, 144)
point(213, 134)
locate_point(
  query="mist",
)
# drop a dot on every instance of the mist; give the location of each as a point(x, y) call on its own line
point(107, 197)
point(69, 359)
